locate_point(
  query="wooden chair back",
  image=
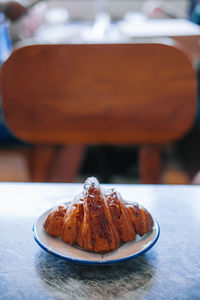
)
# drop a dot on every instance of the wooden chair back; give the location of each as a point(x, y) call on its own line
point(140, 94)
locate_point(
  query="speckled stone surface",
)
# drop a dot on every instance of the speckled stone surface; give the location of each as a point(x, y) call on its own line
point(170, 270)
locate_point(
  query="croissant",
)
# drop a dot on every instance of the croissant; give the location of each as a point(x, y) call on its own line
point(98, 220)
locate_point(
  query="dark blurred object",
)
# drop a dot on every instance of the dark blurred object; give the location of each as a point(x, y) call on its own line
point(15, 10)
point(188, 148)
point(105, 167)
point(194, 11)
point(12, 9)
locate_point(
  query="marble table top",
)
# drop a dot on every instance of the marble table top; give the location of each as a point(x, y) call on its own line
point(169, 270)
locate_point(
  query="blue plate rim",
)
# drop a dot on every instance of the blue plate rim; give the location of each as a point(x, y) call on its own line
point(97, 262)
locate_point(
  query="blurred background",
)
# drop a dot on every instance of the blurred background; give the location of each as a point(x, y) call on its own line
point(100, 21)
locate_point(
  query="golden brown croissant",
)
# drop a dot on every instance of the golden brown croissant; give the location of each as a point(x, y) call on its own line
point(98, 220)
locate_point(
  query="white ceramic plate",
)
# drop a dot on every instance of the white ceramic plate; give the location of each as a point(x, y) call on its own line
point(63, 250)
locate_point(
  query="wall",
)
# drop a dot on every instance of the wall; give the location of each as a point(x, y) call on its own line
point(80, 9)
point(85, 9)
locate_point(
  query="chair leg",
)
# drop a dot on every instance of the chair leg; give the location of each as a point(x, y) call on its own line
point(150, 164)
point(68, 161)
point(41, 161)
